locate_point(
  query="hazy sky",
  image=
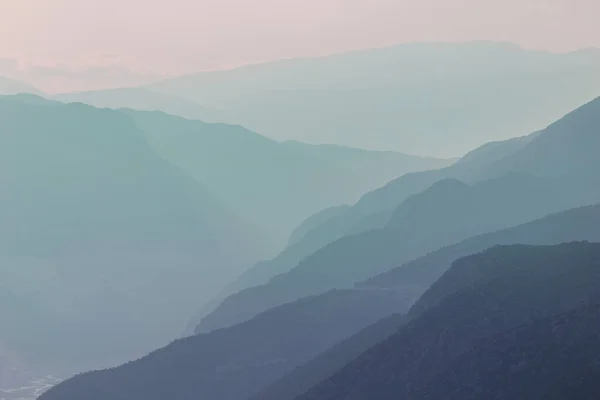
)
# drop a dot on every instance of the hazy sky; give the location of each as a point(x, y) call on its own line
point(179, 36)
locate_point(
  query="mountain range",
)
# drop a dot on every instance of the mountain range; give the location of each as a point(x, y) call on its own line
point(396, 98)
point(419, 98)
point(467, 292)
point(140, 99)
point(522, 186)
point(265, 347)
point(96, 229)
point(579, 224)
point(239, 166)
point(372, 211)
point(148, 237)
point(105, 212)
point(234, 362)
point(495, 303)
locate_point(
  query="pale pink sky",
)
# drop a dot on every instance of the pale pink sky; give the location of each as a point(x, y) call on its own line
point(180, 36)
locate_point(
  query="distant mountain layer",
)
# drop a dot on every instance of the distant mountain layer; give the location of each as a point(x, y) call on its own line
point(438, 99)
point(578, 224)
point(139, 99)
point(447, 213)
point(373, 211)
point(10, 86)
point(101, 239)
point(314, 221)
point(523, 186)
point(441, 215)
point(483, 333)
point(274, 185)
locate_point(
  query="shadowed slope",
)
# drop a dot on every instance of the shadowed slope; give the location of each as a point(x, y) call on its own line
point(515, 285)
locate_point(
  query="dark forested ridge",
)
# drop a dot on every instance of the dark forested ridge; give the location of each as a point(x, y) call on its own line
point(514, 285)
point(551, 358)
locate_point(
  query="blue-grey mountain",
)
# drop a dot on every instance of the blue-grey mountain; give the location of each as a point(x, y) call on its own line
point(438, 99)
point(523, 186)
point(484, 330)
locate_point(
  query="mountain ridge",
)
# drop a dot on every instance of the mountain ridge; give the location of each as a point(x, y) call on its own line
point(527, 283)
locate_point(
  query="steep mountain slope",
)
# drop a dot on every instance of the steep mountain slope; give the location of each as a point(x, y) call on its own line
point(275, 185)
point(301, 379)
point(552, 358)
point(97, 230)
point(314, 221)
point(291, 335)
point(372, 211)
point(419, 98)
point(513, 285)
point(446, 213)
point(296, 249)
point(236, 362)
point(572, 225)
point(566, 146)
point(238, 164)
point(578, 224)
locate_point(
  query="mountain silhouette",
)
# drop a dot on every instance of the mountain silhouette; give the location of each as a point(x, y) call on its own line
point(236, 362)
point(314, 221)
point(373, 211)
point(97, 231)
point(571, 225)
point(421, 98)
point(554, 358)
point(275, 185)
point(447, 212)
point(514, 286)
point(298, 334)
point(578, 224)
point(139, 99)
point(303, 378)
